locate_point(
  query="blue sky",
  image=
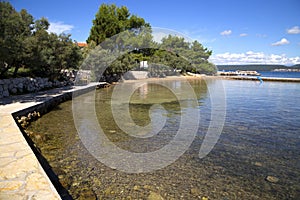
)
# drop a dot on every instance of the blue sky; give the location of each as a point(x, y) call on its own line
point(238, 32)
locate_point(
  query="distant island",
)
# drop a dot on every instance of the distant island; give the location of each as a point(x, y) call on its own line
point(287, 70)
point(259, 67)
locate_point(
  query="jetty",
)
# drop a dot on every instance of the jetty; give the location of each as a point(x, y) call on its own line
point(238, 73)
point(255, 78)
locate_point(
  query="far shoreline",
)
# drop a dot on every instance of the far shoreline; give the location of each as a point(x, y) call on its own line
point(180, 77)
point(203, 77)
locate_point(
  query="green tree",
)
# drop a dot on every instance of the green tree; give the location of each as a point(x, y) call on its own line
point(115, 41)
point(192, 57)
point(15, 28)
point(26, 43)
point(111, 20)
point(52, 52)
point(114, 50)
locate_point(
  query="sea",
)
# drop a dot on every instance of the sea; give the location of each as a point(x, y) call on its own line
point(256, 155)
point(280, 74)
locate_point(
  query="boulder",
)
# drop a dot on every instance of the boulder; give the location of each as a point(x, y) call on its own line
point(14, 90)
point(11, 86)
point(20, 85)
point(5, 86)
point(6, 81)
point(5, 93)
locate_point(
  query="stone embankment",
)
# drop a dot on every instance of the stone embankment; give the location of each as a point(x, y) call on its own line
point(23, 85)
point(24, 173)
point(136, 75)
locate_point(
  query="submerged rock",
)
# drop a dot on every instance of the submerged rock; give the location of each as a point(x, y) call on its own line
point(195, 191)
point(155, 196)
point(87, 194)
point(136, 187)
point(258, 164)
point(272, 179)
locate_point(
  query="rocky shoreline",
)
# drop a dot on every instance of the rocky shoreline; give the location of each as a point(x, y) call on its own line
point(14, 86)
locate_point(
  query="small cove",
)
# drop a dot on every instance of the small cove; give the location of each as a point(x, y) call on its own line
point(260, 138)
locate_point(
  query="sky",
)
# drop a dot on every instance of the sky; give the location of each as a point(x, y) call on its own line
point(237, 32)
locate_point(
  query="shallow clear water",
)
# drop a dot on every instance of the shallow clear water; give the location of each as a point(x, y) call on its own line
point(260, 138)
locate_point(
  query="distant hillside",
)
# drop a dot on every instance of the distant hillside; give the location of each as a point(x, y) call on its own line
point(297, 66)
point(255, 67)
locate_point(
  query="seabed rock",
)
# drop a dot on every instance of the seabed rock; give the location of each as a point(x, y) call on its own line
point(24, 121)
point(272, 179)
point(258, 164)
point(87, 194)
point(155, 196)
point(195, 191)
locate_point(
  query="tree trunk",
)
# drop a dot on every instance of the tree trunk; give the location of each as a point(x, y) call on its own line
point(16, 71)
point(4, 70)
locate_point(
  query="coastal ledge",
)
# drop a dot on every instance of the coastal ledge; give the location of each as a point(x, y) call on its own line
point(23, 171)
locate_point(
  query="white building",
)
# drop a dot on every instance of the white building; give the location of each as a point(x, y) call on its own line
point(144, 64)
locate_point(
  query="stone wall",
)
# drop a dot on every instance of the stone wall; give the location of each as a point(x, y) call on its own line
point(136, 75)
point(23, 85)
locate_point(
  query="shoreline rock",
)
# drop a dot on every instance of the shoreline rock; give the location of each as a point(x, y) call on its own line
point(15, 86)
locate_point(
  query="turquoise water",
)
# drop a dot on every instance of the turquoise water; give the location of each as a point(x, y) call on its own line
point(260, 138)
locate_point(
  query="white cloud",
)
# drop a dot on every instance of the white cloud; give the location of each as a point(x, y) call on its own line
point(293, 30)
point(251, 57)
point(59, 27)
point(226, 32)
point(283, 41)
point(243, 34)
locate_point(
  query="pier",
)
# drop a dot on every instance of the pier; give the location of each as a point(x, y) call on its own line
point(255, 78)
point(238, 73)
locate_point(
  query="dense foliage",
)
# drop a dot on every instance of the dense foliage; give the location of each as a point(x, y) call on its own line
point(120, 50)
point(25, 44)
point(117, 43)
point(111, 20)
point(191, 57)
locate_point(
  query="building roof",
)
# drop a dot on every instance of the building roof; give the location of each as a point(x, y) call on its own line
point(82, 44)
